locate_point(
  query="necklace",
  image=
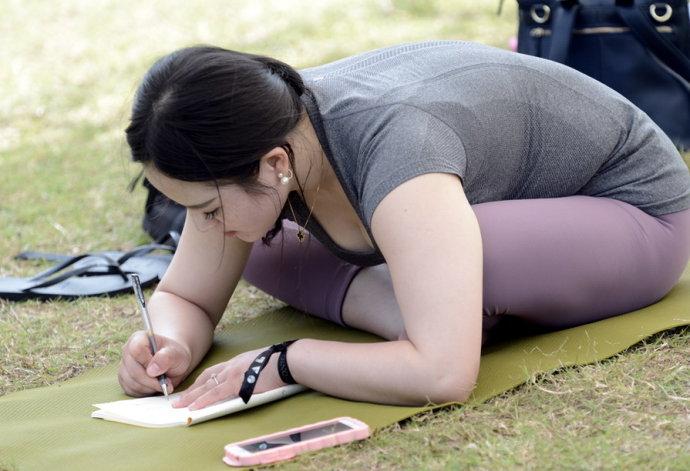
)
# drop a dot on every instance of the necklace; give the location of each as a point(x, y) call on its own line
point(300, 231)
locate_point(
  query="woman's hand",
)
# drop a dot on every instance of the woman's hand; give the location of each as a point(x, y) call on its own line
point(230, 375)
point(139, 369)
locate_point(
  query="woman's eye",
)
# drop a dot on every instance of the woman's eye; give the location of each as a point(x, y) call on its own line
point(210, 215)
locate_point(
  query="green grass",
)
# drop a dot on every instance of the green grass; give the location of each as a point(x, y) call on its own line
point(69, 70)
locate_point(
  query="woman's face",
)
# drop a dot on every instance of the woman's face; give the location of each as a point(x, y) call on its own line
point(245, 216)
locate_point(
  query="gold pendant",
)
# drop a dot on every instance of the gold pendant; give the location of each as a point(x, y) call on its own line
point(300, 235)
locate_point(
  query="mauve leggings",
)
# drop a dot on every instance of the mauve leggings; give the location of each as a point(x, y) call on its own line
point(553, 262)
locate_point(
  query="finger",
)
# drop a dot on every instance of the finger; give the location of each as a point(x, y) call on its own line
point(167, 360)
point(171, 386)
point(200, 385)
point(148, 388)
point(191, 394)
point(225, 390)
point(130, 386)
point(138, 346)
point(141, 388)
point(206, 375)
point(138, 374)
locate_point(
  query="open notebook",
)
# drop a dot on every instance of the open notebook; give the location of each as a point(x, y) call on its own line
point(157, 411)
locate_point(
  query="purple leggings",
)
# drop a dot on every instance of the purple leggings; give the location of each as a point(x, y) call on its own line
point(553, 262)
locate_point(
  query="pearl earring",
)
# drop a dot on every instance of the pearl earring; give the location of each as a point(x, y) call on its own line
point(284, 179)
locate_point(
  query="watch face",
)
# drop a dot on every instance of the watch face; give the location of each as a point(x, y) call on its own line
point(297, 437)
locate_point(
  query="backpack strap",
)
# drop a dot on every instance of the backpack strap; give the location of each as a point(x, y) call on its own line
point(643, 28)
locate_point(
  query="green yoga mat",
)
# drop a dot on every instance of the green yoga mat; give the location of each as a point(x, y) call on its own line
point(50, 427)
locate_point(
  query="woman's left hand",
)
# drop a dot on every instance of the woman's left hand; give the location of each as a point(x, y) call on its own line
point(230, 375)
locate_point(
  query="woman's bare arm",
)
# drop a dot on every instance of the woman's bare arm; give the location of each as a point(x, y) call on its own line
point(191, 298)
point(430, 237)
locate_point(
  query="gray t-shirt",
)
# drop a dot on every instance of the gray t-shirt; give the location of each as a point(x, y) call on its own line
point(510, 126)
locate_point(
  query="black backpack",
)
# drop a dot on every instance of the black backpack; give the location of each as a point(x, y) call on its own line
point(162, 216)
point(640, 48)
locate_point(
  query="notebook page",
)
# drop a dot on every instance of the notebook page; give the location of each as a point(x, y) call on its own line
point(157, 411)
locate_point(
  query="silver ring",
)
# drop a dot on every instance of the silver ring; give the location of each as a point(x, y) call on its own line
point(545, 13)
point(665, 16)
point(215, 378)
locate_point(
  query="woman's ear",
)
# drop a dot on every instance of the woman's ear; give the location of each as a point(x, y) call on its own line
point(273, 163)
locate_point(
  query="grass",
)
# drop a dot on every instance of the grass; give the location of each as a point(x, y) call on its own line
point(69, 73)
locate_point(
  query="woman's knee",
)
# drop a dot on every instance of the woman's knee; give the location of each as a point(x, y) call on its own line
point(573, 260)
point(639, 260)
point(677, 248)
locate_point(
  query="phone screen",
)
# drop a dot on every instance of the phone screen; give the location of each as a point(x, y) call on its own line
point(296, 437)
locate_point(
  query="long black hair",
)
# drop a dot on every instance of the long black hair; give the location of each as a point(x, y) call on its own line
point(208, 114)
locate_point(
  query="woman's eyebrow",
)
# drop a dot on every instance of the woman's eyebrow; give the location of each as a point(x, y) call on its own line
point(200, 205)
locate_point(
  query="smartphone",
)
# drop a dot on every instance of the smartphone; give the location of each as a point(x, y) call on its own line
point(287, 444)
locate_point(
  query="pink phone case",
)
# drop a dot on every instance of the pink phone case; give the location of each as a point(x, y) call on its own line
point(359, 432)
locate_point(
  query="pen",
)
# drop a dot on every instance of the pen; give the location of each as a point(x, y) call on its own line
point(136, 284)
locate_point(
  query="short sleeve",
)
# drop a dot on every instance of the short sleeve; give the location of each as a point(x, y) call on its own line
point(405, 142)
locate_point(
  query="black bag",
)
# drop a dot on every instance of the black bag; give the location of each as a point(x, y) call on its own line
point(640, 48)
point(162, 216)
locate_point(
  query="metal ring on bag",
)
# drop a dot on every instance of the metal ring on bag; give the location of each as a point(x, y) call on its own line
point(545, 13)
point(663, 18)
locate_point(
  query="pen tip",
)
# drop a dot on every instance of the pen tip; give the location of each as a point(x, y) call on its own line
point(165, 390)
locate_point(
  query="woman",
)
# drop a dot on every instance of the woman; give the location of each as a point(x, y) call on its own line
point(445, 186)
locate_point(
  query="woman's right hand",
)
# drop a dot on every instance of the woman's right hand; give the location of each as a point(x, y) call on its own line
point(139, 369)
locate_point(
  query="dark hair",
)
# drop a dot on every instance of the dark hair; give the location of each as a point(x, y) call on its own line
point(208, 114)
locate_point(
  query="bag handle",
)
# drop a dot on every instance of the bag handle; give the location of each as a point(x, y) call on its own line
point(645, 31)
point(639, 24)
point(562, 30)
